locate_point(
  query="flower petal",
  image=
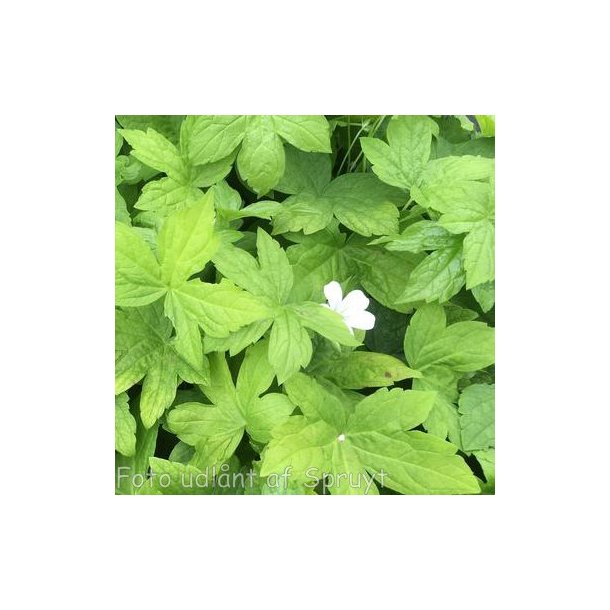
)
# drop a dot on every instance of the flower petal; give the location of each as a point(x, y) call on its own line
point(333, 294)
point(364, 320)
point(354, 301)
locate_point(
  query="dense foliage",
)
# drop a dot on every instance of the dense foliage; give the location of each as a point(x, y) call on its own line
point(248, 358)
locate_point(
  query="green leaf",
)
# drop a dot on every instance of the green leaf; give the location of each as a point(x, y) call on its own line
point(316, 264)
point(221, 389)
point(349, 474)
point(225, 197)
point(124, 426)
point(195, 422)
point(364, 204)
point(159, 388)
point(278, 486)
point(457, 313)
point(384, 275)
point(451, 186)
point(270, 277)
point(215, 431)
point(137, 272)
point(487, 459)
point(479, 259)
point(240, 339)
point(118, 143)
point(438, 277)
point(421, 236)
point(275, 270)
point(259, 209)
point(440, 353)
point(452, 170)
point(390, 411)
point(191, 365)
point(187, 241)
point(484, 147)
point(261, 159)
point(443, 419)
point(360, 369)
point(308, 446)
point(464, 202)
point(166, 125)
point(219, 308)
point(487, 124)
point(477, 421)
point(315, 401)
point(181, 453)
point(305, 212)
point(415, 462)
point(211, 173)
point(213, 137)
point(309, 133)
point(121, 213)
point(145, 349)
point(217, 450)
point(242, 268)
point(485, 295)
point(140, 336)
point(426, 326)
point(289, 346)
point(463, 205)
point(463, 347)
point(166, 195)
point(128, 170)
point(156, 151)
point(309, 172)
point(264, 414)
point(325, 322)
point(130, 473)
point(146, 443)
point(359, 201)
point(255, 374)
point(401, 161)
point(173, 478)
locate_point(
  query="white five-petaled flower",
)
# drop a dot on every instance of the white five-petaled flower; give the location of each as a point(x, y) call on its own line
point(352, 307)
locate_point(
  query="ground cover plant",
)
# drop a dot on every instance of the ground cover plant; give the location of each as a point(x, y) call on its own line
point(304, 304)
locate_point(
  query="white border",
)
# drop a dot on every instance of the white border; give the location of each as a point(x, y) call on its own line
point(69, 69)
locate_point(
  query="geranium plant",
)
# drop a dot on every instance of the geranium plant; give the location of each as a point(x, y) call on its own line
point(304, 304)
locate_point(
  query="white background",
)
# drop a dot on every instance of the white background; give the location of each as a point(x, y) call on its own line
point(67, 541)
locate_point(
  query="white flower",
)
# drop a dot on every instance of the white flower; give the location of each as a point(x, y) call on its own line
point(352, 307)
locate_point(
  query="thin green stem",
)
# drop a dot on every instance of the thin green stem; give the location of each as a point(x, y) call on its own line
point(349, 136)
point(347, 156)
point(377, 125)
